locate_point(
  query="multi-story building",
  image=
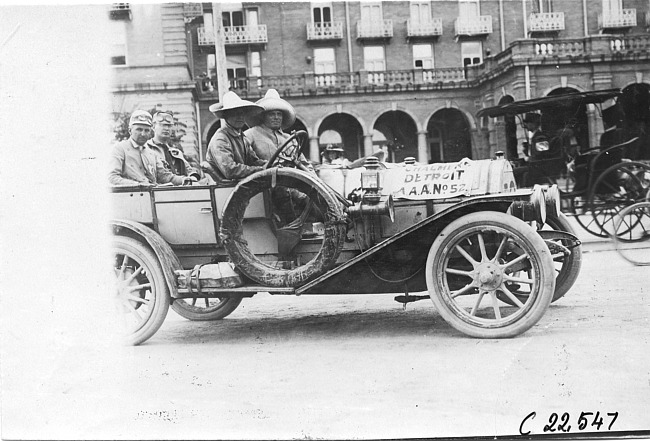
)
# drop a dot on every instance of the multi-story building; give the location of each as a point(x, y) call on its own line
point(410, 75)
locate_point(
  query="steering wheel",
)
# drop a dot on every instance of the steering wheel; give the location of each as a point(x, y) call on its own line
point(290, 151)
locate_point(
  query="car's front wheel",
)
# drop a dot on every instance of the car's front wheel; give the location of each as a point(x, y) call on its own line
point(470, 265)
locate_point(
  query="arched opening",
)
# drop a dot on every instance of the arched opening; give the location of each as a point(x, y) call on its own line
point(346, 131)
point(449, 136)
point(400, 135)
point(510, 131)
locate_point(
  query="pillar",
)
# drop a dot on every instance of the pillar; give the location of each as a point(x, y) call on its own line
point(423, 148)
point(314, 149)
point(367, 144)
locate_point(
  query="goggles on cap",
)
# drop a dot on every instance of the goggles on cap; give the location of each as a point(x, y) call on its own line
point(163, 117)
point(141, 118)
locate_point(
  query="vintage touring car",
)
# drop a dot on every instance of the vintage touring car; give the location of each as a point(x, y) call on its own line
point(490, 257)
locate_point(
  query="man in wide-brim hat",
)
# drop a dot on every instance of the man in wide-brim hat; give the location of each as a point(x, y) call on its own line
point(230, 155)
point(266, 133)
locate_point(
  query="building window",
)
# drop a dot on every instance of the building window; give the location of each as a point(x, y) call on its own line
point(423, 56)
point(117, 31)
point(324, 63)
point(612, 7)
point(471, 52)
point(232, 18)
point(469, 8)
point(252, 17)
point(371, 12)
point(420, 13)
point(321, 12)
point(374, 61)
point(237, 71)
point(543, 6)
point(212, 65)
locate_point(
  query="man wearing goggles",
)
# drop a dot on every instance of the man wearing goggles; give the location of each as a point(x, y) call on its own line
point(173, 158)
point(133, 163)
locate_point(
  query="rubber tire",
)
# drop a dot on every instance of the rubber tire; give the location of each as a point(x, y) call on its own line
point(146, 258)
point(540, 258)
point(196, 313)
point(238, 251)
point(572, 265)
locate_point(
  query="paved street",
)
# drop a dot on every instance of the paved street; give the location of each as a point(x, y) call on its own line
point(356, 366)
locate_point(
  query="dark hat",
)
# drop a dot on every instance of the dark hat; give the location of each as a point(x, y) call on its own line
point(334, 148)
point(272, 101)
point(612, 115)
point(532, 117)
point(140, 117)
point(230, 101)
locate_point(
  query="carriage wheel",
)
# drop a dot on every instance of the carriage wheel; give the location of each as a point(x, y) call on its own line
point(471, 262)
point(206, 309)
point(141, 291)
point(632, 233)
point(617, 187)
point(579, 209)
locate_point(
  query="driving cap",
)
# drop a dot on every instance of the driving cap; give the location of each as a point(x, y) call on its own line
point(140, 117)
point(230, 101)
point(532, 117)
point(272, 101)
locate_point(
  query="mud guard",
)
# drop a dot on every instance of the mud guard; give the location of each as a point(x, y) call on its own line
point(324, 199)
point(166, 256)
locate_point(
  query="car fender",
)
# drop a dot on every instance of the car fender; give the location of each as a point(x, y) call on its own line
point(166, 256)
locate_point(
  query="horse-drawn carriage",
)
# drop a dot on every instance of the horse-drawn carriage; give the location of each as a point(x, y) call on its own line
point(490, 257)
point(595, 182)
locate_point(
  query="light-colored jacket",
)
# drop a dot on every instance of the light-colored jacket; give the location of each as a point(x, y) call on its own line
point(265, 142)
point(130, 164)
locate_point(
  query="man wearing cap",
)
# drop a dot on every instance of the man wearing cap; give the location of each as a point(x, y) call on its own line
point(612, 121)
point(230, 155)
point(173, 158)
point(266, 133)
point(133, 163)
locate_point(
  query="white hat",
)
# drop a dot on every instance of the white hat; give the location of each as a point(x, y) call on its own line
point(140, 117)
point(231, 101)
point(272, 101)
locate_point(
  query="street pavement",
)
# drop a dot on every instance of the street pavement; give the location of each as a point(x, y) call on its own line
point(342, 367)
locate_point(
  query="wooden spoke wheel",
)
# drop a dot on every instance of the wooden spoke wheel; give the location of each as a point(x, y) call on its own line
point(205, 309)
point(619, 186)
point(142, 294)
point(474, 259)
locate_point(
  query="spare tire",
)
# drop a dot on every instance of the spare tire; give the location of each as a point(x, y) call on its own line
point(334, 218)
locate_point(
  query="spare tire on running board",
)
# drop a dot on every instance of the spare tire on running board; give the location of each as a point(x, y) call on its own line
point(334, 218)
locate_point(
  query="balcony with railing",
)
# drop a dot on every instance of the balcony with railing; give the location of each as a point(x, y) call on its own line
point(192, 10)
point(471, 26)
point(375, 29)
point(621, 19)
point(546, 22)
point(520, 53)
point(120, 11)
point(254, 34)
point(429, 28)
point(332, 30)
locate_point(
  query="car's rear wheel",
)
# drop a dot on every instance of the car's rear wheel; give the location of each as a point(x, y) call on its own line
point(472, 261)
point(205, 309)
point(142, 294)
